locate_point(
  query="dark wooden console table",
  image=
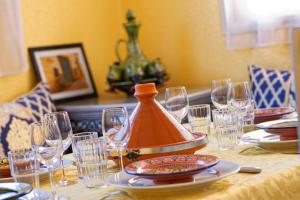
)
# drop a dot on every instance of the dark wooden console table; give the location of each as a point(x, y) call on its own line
point(86, 114)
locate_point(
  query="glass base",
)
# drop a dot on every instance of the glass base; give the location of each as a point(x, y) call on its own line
point(116, 195)
point(65, 182)
point(226, 148)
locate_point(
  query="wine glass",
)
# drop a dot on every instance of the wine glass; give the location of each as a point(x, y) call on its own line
point(66, 132)
point(47, 143)
point(177, 102)
point(116, 129)
point(219, 92)
point(239, 94)
point(240, 99)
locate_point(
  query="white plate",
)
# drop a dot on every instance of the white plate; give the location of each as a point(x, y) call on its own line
point(263, 137)
point(43, 170)
point(130, 182)
point(271, 141)
point(14, 190)
point(278, 124)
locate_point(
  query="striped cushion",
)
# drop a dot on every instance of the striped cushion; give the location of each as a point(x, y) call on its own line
point(270, 87)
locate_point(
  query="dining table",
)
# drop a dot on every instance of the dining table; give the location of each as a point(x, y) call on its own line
point(279, 179)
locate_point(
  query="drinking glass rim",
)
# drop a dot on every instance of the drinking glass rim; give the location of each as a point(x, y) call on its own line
point(218, 110)
point(95, 144)
point(56, 112)
point(85, 133)
point(175, 87)
point(239, 82)
point(219, 80)
point(199, 106)
point(94, 140)
point(115, 108)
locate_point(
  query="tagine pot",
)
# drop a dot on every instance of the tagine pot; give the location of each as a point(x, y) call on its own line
point(154, 132)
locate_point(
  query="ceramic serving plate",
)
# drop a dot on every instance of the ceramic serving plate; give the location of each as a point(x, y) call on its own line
point(278, 124)
point(271, 141)
point(171, 167)
point(286, 128)
point(267, 114)
point(14, 190)
point(131, 182)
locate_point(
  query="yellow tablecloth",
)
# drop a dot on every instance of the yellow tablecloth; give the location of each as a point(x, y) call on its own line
point(280, 179)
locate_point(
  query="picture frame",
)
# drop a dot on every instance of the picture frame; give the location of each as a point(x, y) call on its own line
point(65, 69)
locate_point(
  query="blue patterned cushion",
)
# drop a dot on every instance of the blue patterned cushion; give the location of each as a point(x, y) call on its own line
point(14, 127)
point(293, 94)
point(38, 101)
point(270, 87)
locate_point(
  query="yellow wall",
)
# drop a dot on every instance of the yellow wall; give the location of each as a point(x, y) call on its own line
point(95, 23)
point(185, 34)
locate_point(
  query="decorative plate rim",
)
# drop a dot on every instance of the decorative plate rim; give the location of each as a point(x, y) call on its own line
point(223, 164)
point(175, 173)
point(263, 126)
point(260, 141)
point(290, 110)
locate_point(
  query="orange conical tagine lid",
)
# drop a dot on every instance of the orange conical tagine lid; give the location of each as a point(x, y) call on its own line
point(151, 124)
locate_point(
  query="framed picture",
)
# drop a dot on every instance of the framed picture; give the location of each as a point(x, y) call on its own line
point(65, 69)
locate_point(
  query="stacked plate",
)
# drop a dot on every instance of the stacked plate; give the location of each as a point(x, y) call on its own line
point(271, 142)
point(277, 130)
point(268, 114)
point(278, 135)
point(173, 171)
point(285, 128)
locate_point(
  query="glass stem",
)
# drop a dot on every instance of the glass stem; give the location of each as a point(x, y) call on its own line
point(51, 176)
point(121, 158)
point(63, 178)
point(178, 119)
